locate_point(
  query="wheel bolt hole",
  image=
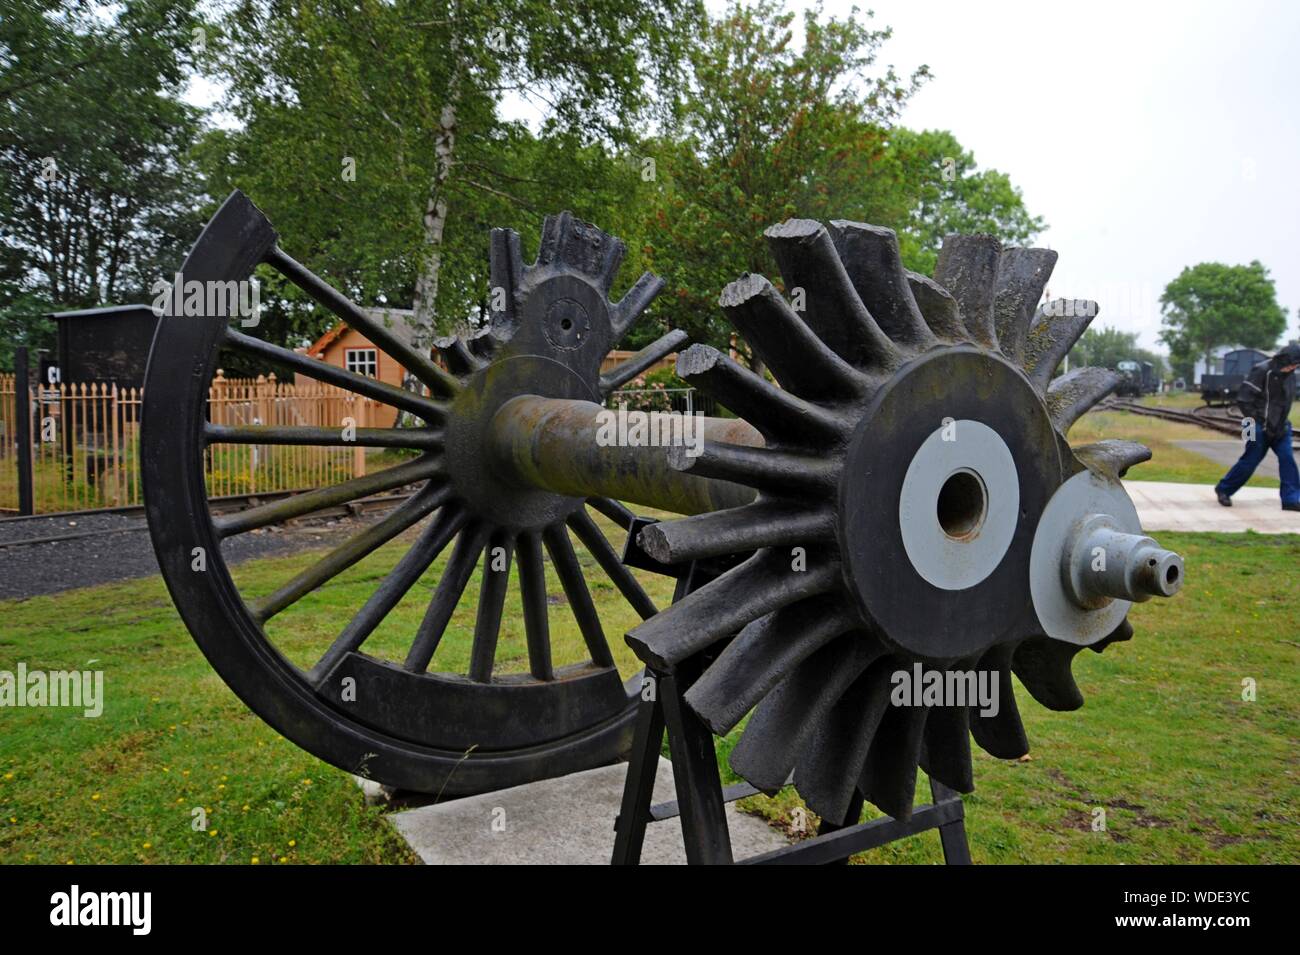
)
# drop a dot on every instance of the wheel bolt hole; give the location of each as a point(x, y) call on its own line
point(962, 505)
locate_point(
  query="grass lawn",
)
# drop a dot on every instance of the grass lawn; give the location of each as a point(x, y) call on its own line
point(1186, 770)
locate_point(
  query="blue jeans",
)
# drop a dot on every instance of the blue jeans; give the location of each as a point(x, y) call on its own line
point(1255, 452)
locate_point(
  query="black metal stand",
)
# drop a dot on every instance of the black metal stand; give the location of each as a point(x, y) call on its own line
point(701, 798)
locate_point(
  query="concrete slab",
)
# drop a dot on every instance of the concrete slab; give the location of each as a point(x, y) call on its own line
point(1166, 506)
point(1226, 452)
point(565, 821)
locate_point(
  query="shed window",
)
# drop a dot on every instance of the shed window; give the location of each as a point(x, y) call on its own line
point(364, 361)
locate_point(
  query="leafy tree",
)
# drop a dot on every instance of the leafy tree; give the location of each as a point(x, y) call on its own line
point(94, 183)
point(946, 193)
point(1106, 347)
point(768, 129)
point(763, 131)
point(1212, 304)
point(372, 131)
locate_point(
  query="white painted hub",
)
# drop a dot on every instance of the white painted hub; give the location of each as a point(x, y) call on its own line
point(959, 505)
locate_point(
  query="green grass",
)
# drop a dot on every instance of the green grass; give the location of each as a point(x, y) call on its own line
point(1188, 772)
point(122, 787)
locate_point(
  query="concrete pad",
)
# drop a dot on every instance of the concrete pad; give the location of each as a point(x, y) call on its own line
point(1225, 454)
point(1166, 506)
point(565, 821)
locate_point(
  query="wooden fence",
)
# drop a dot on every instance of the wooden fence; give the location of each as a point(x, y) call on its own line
point(86, 441)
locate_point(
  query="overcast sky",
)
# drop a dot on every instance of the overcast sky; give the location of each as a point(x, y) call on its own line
point(1150, 136)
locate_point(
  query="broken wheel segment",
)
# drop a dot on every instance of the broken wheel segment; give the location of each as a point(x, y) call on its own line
point(401, 721)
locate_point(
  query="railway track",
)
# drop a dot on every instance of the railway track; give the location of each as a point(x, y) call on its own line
point(226, 505)
point(1222, 420)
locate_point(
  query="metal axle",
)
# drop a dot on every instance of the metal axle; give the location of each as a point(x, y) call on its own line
point(1103, 563)
point(579, 449)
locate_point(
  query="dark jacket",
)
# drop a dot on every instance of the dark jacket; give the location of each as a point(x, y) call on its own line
point(1266, 394)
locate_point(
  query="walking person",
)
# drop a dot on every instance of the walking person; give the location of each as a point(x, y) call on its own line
point(1265, 397)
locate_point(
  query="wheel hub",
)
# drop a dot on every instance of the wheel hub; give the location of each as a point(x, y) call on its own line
point(943, 483)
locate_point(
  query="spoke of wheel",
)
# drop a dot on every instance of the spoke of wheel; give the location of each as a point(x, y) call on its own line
point(350, 552)
point(491, 603)
point(614, 510)
point(436, 536)
point(569, 571)
point(420, 365)
point(309, 502)
point(425, 439)
point(657, 350)
point(314, 368)
point(532, 586)
point(455, 576)
point(594, 540)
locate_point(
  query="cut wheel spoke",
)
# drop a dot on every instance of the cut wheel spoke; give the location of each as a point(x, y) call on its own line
point(425, 439)
point(351, 552)
point(636, 301)
point(455, 577)
point(594, 540)
point(400, 579)
point(569, 571)
point(460, 360)
point(276, 511)
point(318, 370)
point(420, 365)
point(614, 510)
point(491, 602)
point(532, 586)
point(656, 351)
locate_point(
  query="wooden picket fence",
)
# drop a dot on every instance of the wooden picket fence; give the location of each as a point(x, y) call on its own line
point(86, 439)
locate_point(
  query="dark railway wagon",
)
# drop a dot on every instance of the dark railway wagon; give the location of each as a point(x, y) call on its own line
point(1137, 378)
point(1222, 388)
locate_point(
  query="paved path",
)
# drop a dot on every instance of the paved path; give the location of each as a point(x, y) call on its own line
point(1165, 506)
point(1226, 452)
point(565, 821)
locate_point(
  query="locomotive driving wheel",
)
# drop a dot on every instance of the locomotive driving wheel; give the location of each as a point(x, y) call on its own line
point(397, 720)
point(920, 529)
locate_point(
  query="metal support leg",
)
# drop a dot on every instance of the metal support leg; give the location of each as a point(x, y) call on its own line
point(952, 835)
point(695, 771)
point(638, 790)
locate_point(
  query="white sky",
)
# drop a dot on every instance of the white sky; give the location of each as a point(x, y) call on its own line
point(1149, 135)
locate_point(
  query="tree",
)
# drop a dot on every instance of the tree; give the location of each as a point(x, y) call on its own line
point(373, 132)
point(947, 193)
point(1212, 304)
point(768, 129)
point(1106, 347)
point(95, 186)
point(764, 130)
